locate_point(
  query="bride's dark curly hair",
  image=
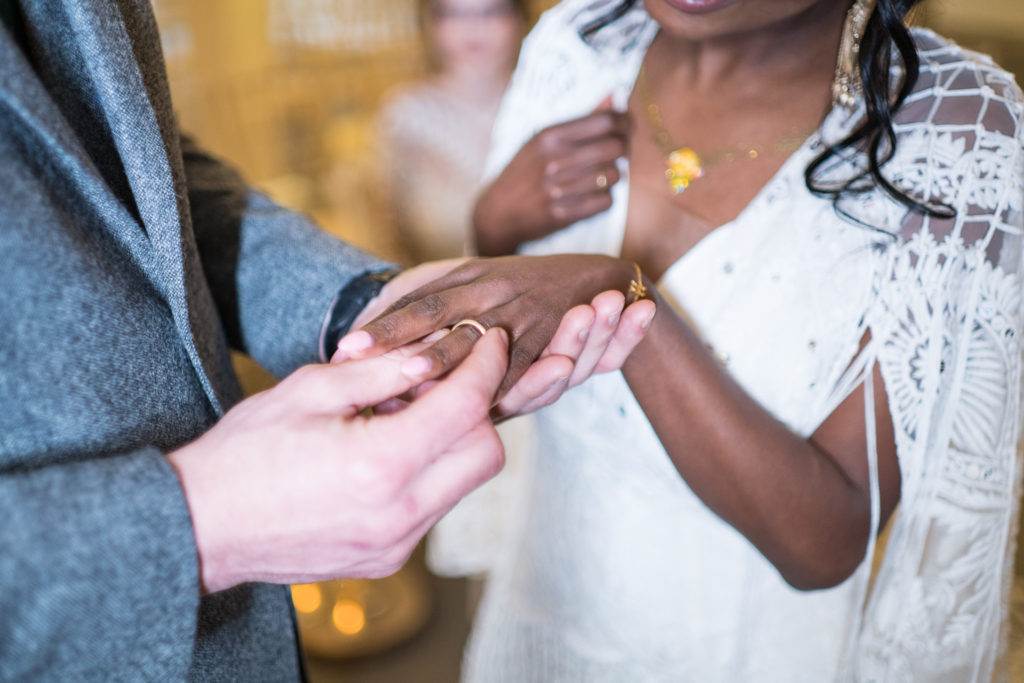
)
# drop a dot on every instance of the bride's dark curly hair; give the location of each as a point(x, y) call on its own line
point(874, 135)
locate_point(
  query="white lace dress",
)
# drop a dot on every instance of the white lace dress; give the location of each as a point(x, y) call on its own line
point(618, 572)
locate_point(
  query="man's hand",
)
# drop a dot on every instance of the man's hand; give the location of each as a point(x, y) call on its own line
point(295, 485)
point(590, 340)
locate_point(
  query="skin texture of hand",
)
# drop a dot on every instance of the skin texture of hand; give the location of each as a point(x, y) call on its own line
point(562, 175)
point(529, 297)
point(404, 283)
point(296, 485)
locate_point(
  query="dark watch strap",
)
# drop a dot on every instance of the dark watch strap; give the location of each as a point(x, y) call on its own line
point(351, 300)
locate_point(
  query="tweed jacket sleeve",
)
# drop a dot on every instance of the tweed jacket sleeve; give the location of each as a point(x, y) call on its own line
point(129, 261)
point(273, 273)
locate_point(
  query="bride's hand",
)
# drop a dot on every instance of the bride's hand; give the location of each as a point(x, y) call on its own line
point(562, 175)
point(530, 297)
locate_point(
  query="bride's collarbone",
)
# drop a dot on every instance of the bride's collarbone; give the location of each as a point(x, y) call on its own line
point(661, 226)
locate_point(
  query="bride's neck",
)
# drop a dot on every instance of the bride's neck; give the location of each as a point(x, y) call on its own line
point(791, 51)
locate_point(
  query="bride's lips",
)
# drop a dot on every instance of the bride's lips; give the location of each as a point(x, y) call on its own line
point(696, 6)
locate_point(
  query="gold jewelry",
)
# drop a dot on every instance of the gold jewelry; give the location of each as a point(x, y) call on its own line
point(846, 85)
point(601, 180)
point(637, 289)
point(682, 164)
point(469, 322)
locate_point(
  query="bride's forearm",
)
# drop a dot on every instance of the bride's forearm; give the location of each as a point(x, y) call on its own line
point(806, 509)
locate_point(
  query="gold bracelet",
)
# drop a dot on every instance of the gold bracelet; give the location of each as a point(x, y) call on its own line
point(637, 290)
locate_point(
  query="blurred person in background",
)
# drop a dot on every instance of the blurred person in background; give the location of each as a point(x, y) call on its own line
point(433, 138)
point(433, 135)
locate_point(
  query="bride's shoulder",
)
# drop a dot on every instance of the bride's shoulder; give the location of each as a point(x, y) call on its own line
point(957, 87)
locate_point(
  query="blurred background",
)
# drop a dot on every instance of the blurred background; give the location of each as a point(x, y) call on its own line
point(290, 92)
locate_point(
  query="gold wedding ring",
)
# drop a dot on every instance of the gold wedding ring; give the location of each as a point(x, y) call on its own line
point(601, 180)
point(469, 322)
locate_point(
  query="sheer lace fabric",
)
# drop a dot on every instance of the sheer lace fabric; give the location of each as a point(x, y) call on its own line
point(618, 572)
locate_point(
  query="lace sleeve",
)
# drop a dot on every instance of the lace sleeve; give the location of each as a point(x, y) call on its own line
point(946, 329)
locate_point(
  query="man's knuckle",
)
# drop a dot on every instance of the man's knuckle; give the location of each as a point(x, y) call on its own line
point(375, 481)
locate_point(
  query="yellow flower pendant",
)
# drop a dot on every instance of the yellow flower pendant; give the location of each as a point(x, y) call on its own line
point(683, 167)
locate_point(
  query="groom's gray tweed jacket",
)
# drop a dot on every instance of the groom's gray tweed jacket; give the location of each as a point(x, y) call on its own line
point(129, 263)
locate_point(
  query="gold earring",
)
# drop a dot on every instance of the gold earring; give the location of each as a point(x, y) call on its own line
point(846, 85)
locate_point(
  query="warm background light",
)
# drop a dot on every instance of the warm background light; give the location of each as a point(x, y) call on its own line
point(307, 597)
point(348, 616)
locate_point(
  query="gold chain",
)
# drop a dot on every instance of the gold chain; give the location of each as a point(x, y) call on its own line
point(683, 164)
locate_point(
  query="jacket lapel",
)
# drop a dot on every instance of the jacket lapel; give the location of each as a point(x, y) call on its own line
point(129, 80)
point(23, 97)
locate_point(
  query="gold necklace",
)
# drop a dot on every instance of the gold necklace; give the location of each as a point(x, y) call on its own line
point(683, 164)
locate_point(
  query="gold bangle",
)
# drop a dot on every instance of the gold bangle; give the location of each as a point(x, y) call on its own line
point(637, 290)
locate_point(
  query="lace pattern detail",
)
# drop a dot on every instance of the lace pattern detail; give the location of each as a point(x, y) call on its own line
point(948, 321)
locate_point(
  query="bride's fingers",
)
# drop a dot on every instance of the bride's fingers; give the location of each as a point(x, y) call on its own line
point(444, 354)
point(410, 322)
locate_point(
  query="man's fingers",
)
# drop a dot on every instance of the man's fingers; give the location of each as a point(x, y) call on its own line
point(607, 311)
point(345, 388)
point(444, 354)
point(438, 418)
point(554, 367)
point(540, 385)
point(469, 462)
point(635, 322)
point(571, 335)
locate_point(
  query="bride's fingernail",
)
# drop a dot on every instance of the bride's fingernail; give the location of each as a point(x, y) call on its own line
point(356, 341)
point(416, 366)
point(613, 319)
point(584, 333)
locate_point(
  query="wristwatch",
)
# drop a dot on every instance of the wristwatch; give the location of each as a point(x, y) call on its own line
point(348, 304)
